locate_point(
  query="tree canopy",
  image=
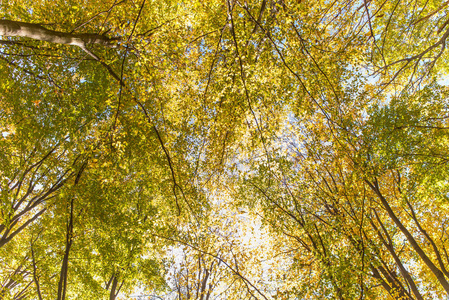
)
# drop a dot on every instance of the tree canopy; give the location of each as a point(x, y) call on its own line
point(224, 149)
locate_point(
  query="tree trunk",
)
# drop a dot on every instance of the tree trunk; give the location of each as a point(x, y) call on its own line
point(37, 32)
point(433, 268)
point(62, 285)
point(113, 293)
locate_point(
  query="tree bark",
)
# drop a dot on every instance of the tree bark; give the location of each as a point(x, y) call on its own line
point(113, 294)
point(62, 285)
point(37, 32)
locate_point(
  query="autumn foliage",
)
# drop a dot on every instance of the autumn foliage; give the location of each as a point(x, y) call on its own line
point(224, 149)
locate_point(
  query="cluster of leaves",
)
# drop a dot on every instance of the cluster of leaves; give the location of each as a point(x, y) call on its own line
point(272, 149)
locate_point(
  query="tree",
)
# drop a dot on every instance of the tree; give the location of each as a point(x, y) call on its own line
point(124, 123)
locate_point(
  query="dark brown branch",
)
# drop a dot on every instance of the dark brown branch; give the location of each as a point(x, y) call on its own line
point(432, 13)
point(113, 294)
point(390, 248)
point(424, 232)
point(434, 269)
point(62, 285)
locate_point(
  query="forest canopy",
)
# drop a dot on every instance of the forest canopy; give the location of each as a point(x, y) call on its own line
point(224, 149)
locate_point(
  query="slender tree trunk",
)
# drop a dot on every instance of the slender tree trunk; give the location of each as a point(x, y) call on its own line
point(424, 232)
point(389, 245)
point(113, 293)
point(62, 285)
point(433, 268)
point(395, 290)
